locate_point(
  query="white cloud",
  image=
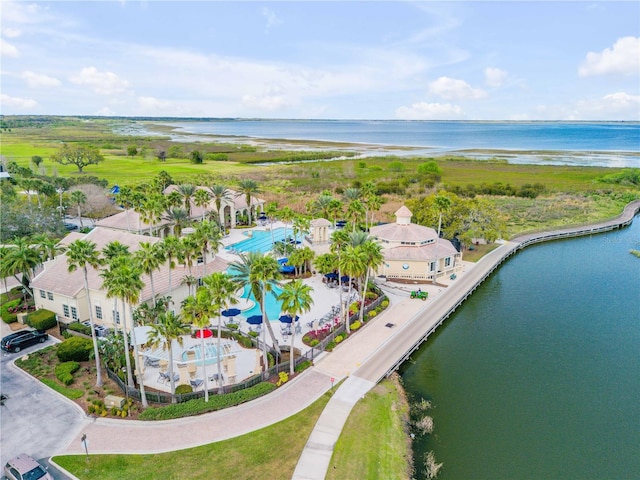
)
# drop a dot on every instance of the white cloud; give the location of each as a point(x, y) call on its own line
point(11, 32)
point(265, 102)
point(494, 77)
point(454, 89)
point(619, 106)
point(622, 58)
point(103, 83)
point(17, 102)
point(272, 18)
point(8, 50)
point(35, 80)
point(430, 111)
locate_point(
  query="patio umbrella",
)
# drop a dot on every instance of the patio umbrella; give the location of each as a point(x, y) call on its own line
point(287, 269)
point(205, 333)
point(331, 276)
point(344, 278)
point(231, 312)
point(282, 261)
point(288, 319)
point(254, 320)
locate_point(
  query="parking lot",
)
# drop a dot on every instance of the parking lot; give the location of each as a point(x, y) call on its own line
point(35, 420)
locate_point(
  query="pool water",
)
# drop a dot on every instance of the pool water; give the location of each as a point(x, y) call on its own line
point(210, 354)
point(260, 241)
point(272, 305)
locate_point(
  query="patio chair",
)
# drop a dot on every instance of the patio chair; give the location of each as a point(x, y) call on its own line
point(196, 383)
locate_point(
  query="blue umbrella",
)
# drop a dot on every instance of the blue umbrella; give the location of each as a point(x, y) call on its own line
point(287, 269)
point(282, 261)
point(254, 320)
point(344, 278)
point(287, 318)
point(331, 276)
point(232, 312)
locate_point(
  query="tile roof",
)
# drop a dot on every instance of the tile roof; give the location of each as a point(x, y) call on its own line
point(421, 253)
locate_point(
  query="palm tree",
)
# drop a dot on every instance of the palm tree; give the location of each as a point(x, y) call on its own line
point(442, 204)
point(123, 280)
point(80, 254)
point(189, 281)
point(125, 198)
point(355, 212)
point(286, 215)
point(172, 248)
point(202, 198)
point(335, 209)
point(23, 257)
point(189, 251)
point(374, 258)
point(152, 210)
point(113, 284)
point(296, 299)
point(47, 246)
point(79, 198)
point(150, 257)
point(110, 252)
point(248, 188)
point(326, 263)
point(271, 211)
point(353, 264)
point(187, 191)
point(300, 225)
point(220, 194)
point(163, 333)
point(208, 238)
point(178, 217)
point(321, 205)
point(261, 273)
point(222, 289)
point(197, 310)
point(339, 239)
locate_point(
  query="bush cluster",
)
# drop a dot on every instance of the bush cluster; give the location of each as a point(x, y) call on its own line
point(42, 319)
point(9, 316)
point(216, 402)
point(65, 370)
point(79, 327)
point(182, 389)
point(75, 349)
point(283, 377)
point(498, 188)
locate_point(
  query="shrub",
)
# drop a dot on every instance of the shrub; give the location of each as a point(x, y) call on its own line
point(302, 366)
point(182, 389)
point(64, 371)
point(216, 402)
point(217, 157)
point(7, 315)
point(283, 377)
point(42, 319)
point(384, 303)
point(79, 327)
point(356, 325)
point(314, 342)
point(75, 348)
point(339, 339)
point(330, 346)
point(372, 314)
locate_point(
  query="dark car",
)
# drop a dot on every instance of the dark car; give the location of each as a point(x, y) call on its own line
point(70, 226)
point(19, 340)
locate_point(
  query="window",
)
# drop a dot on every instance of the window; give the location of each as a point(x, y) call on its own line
point(447, 262)
point(50, 296)
point(65, 309)
point(432, 266)
point(116, 316)
point(42, 294)
point(200, 260)
point(74, 313)
point(98, 312)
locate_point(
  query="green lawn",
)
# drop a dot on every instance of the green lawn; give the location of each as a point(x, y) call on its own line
point(270, 453)
point(374, 444)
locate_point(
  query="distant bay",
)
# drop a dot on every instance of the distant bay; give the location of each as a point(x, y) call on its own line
point(611, 144)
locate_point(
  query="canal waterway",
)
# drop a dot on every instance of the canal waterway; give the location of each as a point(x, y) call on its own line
point(537, 374)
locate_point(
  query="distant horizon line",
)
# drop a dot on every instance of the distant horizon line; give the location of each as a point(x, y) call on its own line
point(275, 119)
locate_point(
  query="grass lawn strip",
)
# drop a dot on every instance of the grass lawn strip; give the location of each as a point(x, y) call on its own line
point(269, 453)
point(374, 441)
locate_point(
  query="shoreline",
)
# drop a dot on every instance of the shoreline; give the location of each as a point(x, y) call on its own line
point(585, 158)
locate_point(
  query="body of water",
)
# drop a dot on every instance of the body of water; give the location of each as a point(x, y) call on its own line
point(537, 374)
point(574, 143)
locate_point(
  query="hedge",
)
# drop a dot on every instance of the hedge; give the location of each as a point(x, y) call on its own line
point(42, 319)
point(216, 402)
point(75, 349)
point(182, 389)
point(79, 327)
point(64, 371)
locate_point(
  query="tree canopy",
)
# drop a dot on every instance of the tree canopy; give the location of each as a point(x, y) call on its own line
point(78, 155)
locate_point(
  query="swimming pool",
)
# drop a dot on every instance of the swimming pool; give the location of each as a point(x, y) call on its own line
point(272, 305)
point(260, 241)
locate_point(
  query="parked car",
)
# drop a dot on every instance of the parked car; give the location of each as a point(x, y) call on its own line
point(70, 226)
point(25, 338)
point(23, 467)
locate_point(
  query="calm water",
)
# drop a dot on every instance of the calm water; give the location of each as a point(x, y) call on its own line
point(596, 140)
point(537, 375)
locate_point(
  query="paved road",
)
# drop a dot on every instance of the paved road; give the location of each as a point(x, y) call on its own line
point(34, 419)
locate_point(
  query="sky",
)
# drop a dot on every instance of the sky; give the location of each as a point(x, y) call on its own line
point(413, 60)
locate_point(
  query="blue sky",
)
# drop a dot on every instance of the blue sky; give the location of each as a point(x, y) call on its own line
point(470, 60)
